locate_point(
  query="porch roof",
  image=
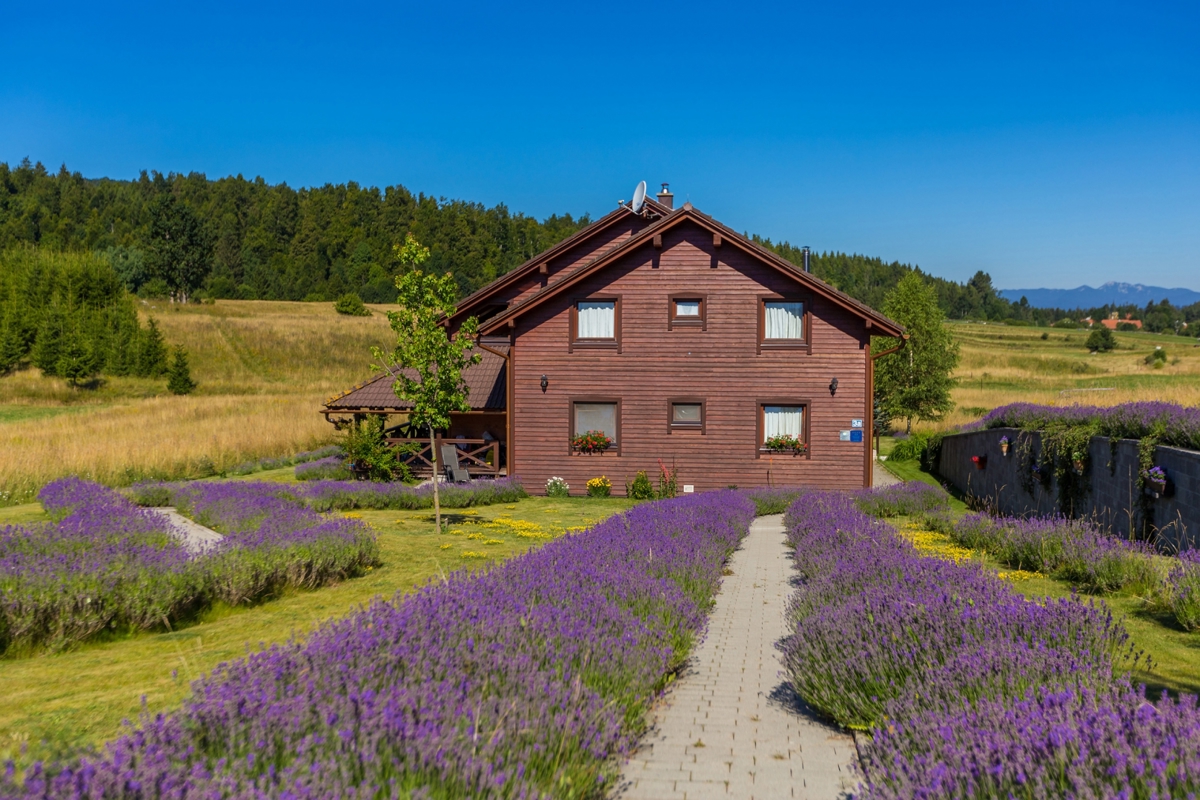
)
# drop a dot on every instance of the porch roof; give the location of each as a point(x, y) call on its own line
point(485, 384)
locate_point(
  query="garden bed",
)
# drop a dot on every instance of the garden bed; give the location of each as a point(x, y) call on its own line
point(968, 689)
point(105, 566)
point(525, 680)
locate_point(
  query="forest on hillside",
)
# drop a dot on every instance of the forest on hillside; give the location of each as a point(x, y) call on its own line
point(188, 235)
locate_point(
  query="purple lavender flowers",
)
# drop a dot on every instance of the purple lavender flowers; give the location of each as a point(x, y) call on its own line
point(520, 682)
point(106, 565)
point(968, 689)
point(1173, 424)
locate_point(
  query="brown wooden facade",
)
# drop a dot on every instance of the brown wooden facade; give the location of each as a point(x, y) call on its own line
point(716, 362)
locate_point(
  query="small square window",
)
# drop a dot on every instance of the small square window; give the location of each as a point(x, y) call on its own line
point(596, 319)
point(687, 311)
point(686, 414)
point(783, 320)
point(596, 417)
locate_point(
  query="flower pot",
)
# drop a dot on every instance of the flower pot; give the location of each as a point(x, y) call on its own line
point(1004, 448)
point(1078, 467)
point(1156, 489)
point(979, 461)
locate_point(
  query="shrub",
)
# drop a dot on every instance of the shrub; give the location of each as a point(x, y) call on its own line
point(525, 680)
point(179, 375)
point(599, 487)
point(558, 487)
point(1101, 340)
point(910, 449)
point(640, 488)
point(351, 305)
point(346, 495)
point(771, 499)
point(1127, 326)
point(902, 499)
point(368, 451)
point(1156, 359)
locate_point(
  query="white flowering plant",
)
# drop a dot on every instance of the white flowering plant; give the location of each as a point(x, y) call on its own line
point(557, 487)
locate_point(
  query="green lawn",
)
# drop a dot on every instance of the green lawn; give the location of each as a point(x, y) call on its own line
point(55, 704)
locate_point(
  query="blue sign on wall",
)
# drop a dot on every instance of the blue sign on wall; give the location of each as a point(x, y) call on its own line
point(856, 436)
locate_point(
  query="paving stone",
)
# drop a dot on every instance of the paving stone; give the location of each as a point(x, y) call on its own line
point(759, 741)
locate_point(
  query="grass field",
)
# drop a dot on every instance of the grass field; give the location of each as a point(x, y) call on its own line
point(263, 371)
point(57, 704)
point(1002, 364)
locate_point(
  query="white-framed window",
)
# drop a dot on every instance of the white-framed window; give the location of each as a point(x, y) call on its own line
point(687, 308)
point(596, 319)
point(783, 319)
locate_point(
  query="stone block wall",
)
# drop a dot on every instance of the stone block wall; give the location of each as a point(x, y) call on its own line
point(1113, 499)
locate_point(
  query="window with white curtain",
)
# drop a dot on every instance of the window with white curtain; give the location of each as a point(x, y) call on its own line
point(783, 421)
point(687, 308)
point(783, 320)
point(596, 417)
point(597, 319)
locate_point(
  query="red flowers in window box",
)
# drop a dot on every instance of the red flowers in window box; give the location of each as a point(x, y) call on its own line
point(786, 444)
point(591, 442)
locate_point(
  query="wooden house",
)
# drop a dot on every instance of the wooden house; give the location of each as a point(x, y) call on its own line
point(686, 343)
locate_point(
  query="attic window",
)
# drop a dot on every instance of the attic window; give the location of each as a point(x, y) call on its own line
point(687, 311)
point(596, 323)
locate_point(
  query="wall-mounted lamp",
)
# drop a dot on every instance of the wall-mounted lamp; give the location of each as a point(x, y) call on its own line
point(833, 386)
point(545, 384)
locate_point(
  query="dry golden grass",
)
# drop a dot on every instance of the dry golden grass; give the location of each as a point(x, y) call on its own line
point(1002, 364)
point(263, 370)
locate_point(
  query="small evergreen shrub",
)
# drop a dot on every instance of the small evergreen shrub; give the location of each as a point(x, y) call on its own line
point(351, 305)
point(640, 488)
point(179, 376)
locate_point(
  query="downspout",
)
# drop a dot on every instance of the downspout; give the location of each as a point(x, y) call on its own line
point(870, 435)
point(508, 399)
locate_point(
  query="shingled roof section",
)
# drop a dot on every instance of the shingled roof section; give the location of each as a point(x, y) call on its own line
point(485, 381)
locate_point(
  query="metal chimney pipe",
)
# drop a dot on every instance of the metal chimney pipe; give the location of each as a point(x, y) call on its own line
point(805, 251)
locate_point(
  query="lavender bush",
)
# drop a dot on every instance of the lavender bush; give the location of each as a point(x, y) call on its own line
point(1170, 423)
point(911, 498)
point(330, 468)
point(1068, 549)
point(106, 566)
point(1183, 590)
point(343, 495)
point(876, 622)
point(523, 681)
point(772, 499)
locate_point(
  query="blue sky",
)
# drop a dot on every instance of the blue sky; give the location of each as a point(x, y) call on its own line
point(1050, 144)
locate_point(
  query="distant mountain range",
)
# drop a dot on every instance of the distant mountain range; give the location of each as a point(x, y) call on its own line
point(1111, 292)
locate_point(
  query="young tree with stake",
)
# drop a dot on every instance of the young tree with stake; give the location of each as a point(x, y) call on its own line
point(427, 362)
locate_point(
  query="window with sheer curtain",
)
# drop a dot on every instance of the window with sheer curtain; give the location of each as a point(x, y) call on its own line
point(597, 319)
point(687, 308)
point(596, 417)
point(783, 320)
point(783, 421)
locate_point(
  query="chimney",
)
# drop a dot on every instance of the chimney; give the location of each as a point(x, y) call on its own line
point(665, 197)
point(805, 251)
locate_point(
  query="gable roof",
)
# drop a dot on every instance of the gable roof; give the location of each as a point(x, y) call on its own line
point(489, 290)
point(688, 213)
point(485, 383)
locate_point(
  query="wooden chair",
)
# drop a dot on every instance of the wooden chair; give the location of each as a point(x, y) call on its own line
point(455, 472)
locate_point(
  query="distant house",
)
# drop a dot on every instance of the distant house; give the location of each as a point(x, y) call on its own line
point(1113, 321)
point(683, 341)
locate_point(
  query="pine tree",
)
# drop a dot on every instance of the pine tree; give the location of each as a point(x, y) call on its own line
point(152, 353)
point(47, 348)
point(76, 362)
point(915, 383)
point(179, 376)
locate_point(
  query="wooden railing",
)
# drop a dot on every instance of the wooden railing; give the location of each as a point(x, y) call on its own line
point(473, 454)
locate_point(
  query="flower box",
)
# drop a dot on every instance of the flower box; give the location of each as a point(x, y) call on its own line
point(786, 444)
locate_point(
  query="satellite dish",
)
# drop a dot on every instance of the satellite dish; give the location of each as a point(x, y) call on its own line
point(639, 198)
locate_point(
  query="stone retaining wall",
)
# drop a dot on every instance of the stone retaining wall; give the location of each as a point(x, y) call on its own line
point(1113, 499)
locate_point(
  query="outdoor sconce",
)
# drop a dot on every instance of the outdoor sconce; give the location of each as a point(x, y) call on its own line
point(545, 384)
point(833, 386)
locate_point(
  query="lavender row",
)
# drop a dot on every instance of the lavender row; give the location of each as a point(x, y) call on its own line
point(968, 689)
point(911, 498)
point(325, 495)
point(105, 566)
point(523, 681)
point(1170, 423)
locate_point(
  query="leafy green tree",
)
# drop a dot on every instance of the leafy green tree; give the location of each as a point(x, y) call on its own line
point(427, 362)
point(368, 451)
point(179, 375)
point(152, 352)
point(915, 382)
point(179, 248)
point(411, 254)
point(76, 361)
point(1101, 340)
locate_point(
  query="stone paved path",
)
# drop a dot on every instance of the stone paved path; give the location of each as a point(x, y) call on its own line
point(881, 477)
point(731, 727)
point(196, 538)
